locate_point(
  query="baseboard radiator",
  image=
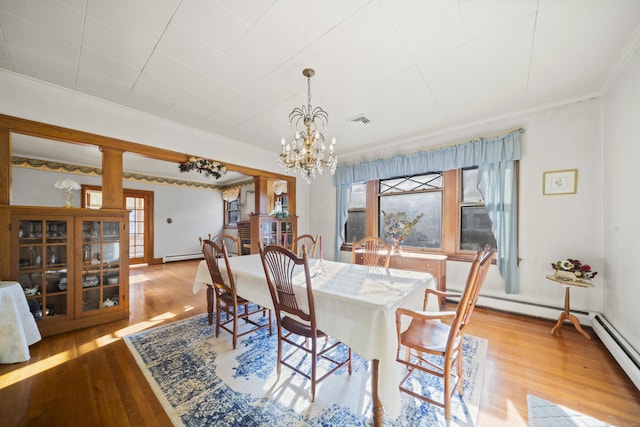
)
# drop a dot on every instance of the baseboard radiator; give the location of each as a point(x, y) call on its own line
point(184, 257)
point(626, 356)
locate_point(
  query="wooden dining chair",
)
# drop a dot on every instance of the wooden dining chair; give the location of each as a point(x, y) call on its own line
point(297, 327)
point(202, 239)
point(371, 249)
point(230, 243)
point(313, 244)
point(428, 334)
point(223, 293)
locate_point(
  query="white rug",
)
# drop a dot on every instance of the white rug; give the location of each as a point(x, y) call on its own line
point(547, 414)
point(201, 380)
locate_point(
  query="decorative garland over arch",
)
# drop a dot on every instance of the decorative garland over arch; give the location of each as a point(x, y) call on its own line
point(93, 171)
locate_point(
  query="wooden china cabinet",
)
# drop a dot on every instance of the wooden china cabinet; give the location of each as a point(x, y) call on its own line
point(72, 265)
point(268, 229)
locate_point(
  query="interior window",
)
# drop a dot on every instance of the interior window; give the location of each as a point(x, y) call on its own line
point(231, 213)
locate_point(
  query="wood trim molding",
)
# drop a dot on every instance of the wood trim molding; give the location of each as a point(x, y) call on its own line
point(58, 133)
point(112, 178)
point(5, 166)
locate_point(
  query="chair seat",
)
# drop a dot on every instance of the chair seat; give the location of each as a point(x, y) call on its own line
point(228, 298)
point(299, 328)
point(426, 334)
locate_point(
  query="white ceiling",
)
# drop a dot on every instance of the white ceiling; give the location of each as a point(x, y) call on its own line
point(234, 68)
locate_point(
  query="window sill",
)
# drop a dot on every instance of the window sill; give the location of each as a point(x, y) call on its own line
point(459, 257)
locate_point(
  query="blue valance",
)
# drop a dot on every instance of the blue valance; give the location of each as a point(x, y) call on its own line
point(467, 154)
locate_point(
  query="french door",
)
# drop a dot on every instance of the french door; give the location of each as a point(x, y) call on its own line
point(138, 202)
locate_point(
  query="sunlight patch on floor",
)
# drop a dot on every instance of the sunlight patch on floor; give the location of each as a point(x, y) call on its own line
point(33, 369)
point(137, 278)
point(154, 321)
point(513, 418)
point(36, 368)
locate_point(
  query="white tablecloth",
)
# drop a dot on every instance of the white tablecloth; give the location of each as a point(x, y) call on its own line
point(18, 328)
point(354, 303)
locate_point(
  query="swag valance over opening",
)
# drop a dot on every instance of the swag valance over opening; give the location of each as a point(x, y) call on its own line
point(495, 158)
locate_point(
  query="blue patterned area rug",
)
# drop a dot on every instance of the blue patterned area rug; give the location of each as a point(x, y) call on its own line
point(543, 413)
point(201, 381)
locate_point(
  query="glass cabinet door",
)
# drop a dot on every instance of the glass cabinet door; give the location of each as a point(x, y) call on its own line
point(277, 232)
point(286, 234)
point(100, 278)
point(42, 268)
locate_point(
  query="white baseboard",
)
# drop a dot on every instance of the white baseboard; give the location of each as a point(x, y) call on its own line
point(626, 356)
point(184, 257)
point(531, 309)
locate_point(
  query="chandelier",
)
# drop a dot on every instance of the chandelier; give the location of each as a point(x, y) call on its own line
point(306, 153)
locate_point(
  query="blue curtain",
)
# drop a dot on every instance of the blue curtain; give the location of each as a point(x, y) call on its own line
point(497, 184)
point(495, 158)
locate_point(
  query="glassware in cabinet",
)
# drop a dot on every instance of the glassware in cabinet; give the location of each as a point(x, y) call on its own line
point(100, 265)
point(42, 266)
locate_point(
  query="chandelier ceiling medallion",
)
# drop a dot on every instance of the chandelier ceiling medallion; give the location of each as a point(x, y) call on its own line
point(306, 153)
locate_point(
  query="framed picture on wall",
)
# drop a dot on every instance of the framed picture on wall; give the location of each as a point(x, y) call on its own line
point(560, 182)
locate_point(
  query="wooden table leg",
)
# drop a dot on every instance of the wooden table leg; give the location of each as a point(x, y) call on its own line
point(566, 315)
point(210, 302)
point(378, 411)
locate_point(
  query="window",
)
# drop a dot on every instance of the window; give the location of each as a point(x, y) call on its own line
point(475, 224)
point(454, 222)
point(231, 213)
point(414, 195)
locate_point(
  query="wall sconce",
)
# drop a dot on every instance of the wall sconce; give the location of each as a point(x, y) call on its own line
point(68, 185)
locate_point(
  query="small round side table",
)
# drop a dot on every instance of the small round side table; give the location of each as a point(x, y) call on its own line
point(566, 314)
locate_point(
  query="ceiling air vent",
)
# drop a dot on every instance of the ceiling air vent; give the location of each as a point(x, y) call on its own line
point(360, 118)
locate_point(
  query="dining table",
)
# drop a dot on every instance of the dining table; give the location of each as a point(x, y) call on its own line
point(354, 303)
point(18, 329)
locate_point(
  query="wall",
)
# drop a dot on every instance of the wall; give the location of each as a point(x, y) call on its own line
point(551, 227)
point(620, 156)
point(35, 100)
point(194, 212)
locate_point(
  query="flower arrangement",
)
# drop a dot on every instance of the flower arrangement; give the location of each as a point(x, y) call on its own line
point(396, 225)
point(279, 214)
point(206, 166)
point(579, 270)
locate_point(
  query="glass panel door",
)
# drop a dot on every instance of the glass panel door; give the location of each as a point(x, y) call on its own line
point(137, 229)
point(100, 265)
point(42, 270)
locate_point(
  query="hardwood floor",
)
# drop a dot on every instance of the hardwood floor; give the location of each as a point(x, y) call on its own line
point(88, 377)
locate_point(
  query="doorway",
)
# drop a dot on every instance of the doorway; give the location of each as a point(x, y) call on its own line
point(139, 203)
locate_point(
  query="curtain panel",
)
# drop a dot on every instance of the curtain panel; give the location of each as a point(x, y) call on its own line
point(495, 158)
